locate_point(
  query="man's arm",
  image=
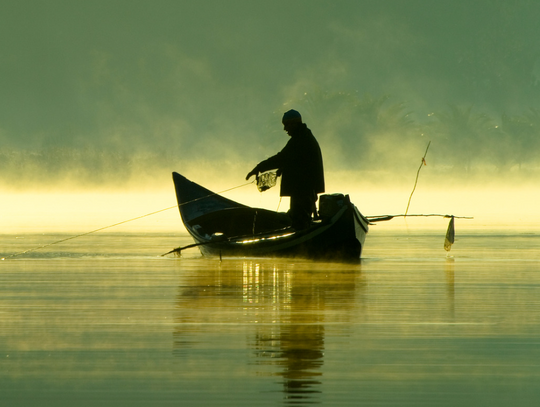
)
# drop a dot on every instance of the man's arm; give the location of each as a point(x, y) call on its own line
point(253, 172)
point(271, 163)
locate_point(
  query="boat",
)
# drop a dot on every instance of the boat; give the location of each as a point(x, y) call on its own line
point(225, 228)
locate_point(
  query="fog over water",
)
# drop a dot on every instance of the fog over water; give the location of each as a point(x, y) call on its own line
point(101, 100)
point(116, 95)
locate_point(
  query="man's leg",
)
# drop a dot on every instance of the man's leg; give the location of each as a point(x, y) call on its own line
point(301, 211)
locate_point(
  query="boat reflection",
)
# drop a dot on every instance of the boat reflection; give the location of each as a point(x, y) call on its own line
point(287, 309)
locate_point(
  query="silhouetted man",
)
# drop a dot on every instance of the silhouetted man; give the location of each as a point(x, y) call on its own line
point(301, 167)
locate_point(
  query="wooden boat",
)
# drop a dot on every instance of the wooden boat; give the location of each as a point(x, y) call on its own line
point(223, 227)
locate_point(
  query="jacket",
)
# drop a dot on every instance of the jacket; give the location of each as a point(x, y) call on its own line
point(300, 164)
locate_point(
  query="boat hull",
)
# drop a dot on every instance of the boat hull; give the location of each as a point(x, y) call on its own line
point(222, 227)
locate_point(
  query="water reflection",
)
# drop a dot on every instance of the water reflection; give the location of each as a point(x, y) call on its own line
point(287, 310)
point(408, 327)
point(450, 284)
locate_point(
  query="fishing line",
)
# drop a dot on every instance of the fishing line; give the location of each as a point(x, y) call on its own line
point(417, 174)
point(279, 204)
point(121, 223)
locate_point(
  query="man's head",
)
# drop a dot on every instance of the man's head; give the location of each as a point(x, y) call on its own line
point(291, 121)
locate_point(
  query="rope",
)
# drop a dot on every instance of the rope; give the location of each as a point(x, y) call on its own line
point(120, 223)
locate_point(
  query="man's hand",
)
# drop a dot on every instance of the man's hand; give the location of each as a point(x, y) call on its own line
point(253, 172)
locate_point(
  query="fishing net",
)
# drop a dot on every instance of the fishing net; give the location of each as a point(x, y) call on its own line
point(266, 181)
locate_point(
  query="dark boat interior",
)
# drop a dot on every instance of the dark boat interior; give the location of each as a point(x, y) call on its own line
point(243, 221)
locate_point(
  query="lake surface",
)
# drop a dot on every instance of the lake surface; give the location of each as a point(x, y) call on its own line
point(104, 320)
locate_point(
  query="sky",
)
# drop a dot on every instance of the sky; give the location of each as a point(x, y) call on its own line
point(124, 92)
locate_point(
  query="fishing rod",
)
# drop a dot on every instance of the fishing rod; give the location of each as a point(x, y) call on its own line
point(381, 218)
point(450, 232)
point(121, 223)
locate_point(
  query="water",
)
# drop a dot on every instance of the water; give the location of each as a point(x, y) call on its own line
point(103, 320)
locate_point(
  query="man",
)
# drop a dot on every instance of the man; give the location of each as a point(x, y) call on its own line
point(301, 167)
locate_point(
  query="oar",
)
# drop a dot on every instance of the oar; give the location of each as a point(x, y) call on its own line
point(189, 246)
point(221, 239)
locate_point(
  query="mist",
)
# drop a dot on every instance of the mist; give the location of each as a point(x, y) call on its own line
point(102, 94)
